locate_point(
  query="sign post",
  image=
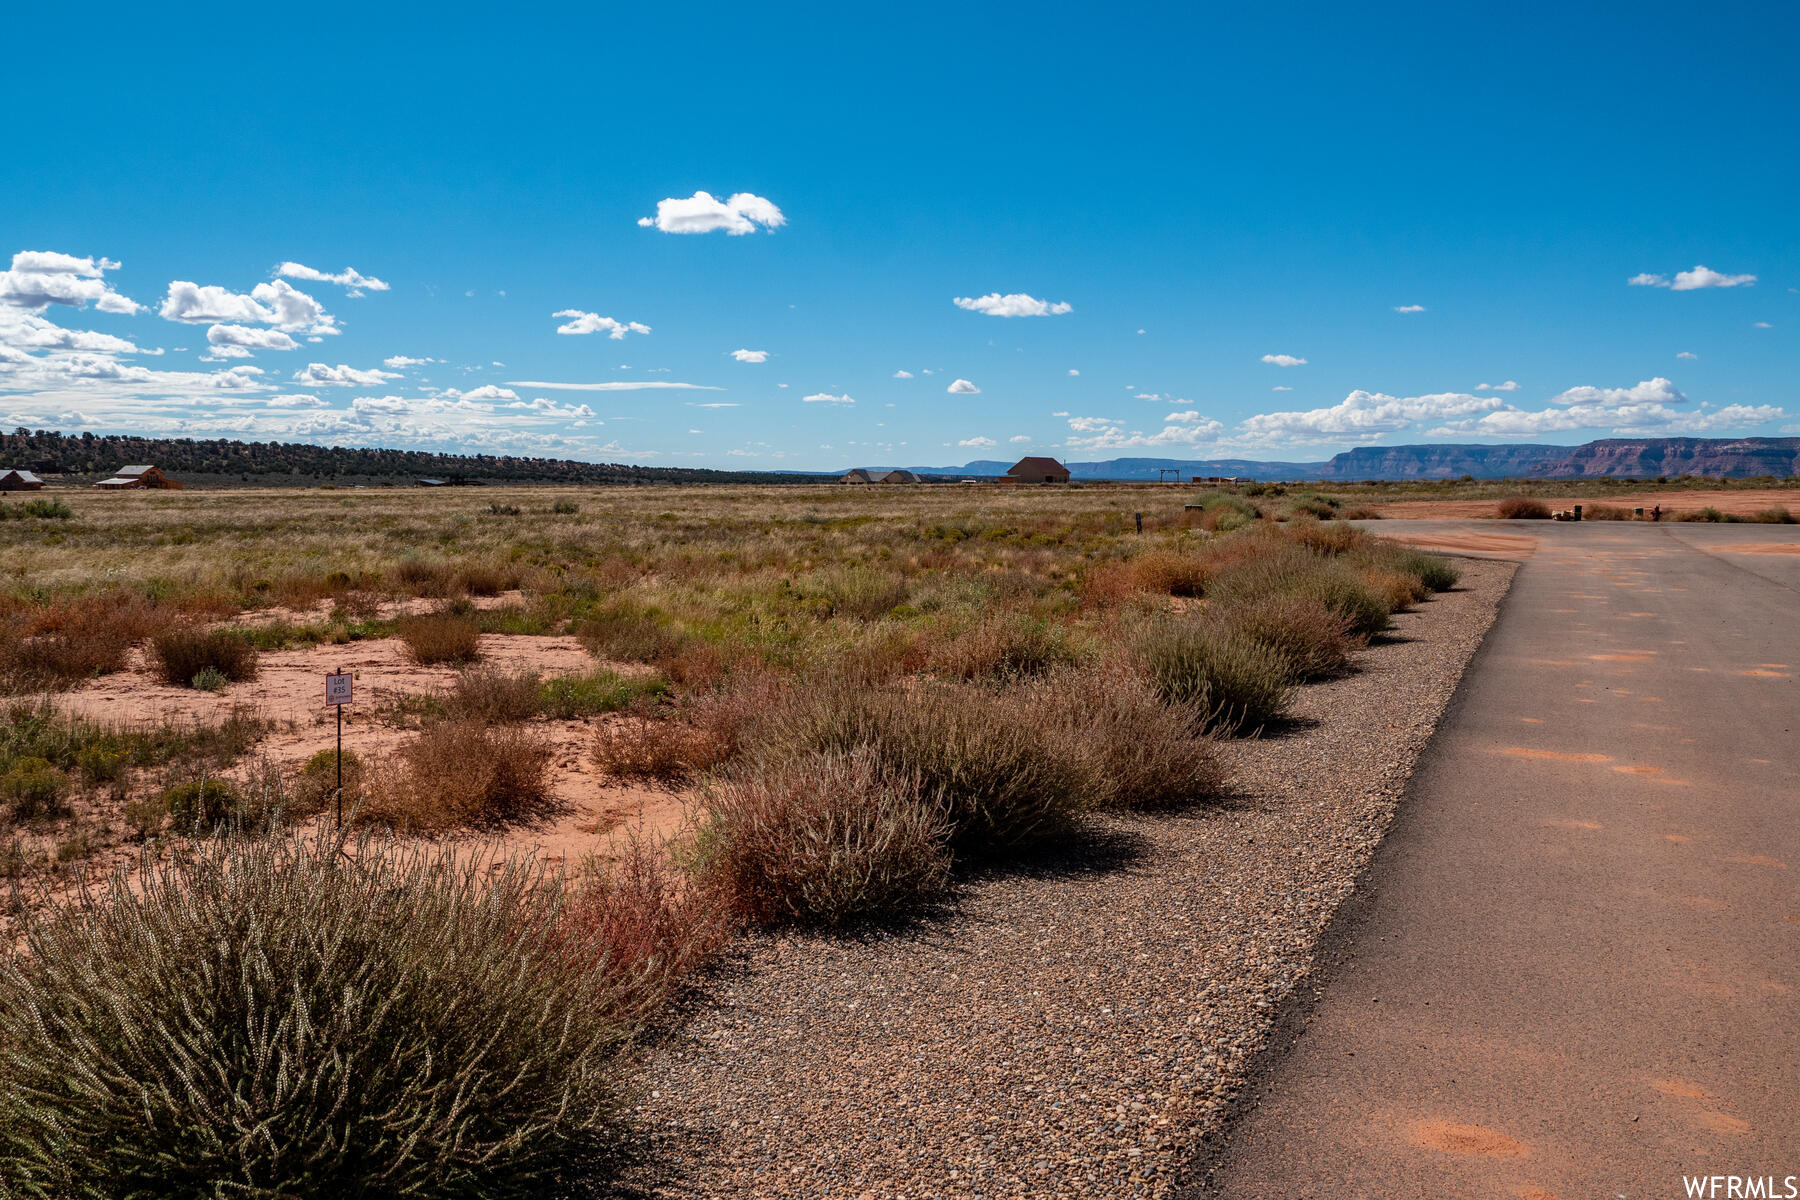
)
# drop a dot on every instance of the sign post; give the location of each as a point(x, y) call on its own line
point(339, 687)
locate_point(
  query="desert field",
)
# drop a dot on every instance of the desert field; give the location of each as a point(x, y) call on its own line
point(1675, 502)
point(618, 745)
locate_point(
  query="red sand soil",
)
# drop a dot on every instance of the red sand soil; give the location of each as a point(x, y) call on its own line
point(592, 811)
point(1469, 545)
point(1741, 502)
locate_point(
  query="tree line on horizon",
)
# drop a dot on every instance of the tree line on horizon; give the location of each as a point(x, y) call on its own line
point(47, 453)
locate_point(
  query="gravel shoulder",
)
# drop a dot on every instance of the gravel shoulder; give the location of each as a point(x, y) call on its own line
point(1077, 1025)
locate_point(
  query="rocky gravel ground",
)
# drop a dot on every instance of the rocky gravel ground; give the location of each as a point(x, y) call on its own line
point(1074, 1026)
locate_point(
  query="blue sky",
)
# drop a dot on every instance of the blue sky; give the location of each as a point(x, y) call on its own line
point(1182, 199)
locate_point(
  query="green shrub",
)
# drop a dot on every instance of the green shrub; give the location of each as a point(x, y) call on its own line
point(182, 653)
point(1230, 682)
point(824, 838)
point(210, 679)
point(624, 632)
point(1771, 516)
point(48, 510)
point(274, 1017)
point(575, 697)
point(202, 804)
point(1295, 572)
point(34, 789)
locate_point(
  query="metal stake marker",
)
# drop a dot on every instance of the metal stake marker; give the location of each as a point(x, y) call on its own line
point(339, 690)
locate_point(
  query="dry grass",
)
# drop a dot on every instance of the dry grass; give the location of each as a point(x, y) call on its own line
point(441, 637)
point(824, 839)
point(1230, 682)
point(462, 772)
point(1312, 638)
point(181, 654)
point(1522, 508)
point(644, 745)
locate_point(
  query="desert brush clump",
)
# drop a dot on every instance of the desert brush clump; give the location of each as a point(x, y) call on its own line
point(1230, 682)
point(1004, 646)
point(1522, 508)
point(461, 772)
point(1311, 637)
point(1136, 751)
point(181, 654)
point(652, 744)
point(496, 695)
point(621, 631)
point(446, 636)
point(999, 776)
point(823, 838)
point(290, 1016)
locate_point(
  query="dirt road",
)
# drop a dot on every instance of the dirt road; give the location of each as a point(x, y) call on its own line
point(1575, 968)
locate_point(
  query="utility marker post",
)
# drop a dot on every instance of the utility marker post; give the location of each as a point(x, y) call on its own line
point(339, 687)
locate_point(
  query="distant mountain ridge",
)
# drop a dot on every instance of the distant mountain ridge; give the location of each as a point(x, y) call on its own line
point(1609, 458)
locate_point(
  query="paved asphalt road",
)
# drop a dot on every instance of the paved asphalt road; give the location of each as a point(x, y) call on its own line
point(1574, 970)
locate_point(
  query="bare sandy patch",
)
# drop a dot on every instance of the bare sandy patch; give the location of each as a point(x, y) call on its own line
point(1741, 502)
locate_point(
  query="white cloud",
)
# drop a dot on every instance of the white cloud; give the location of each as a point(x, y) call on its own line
point(349, 277)
point(587, 322)
point(962, 387)
point(1650, 391)
point(1092, 424)
point(40, 278)
point(1016, 304)
point(621, 385)
point(1189, 417)
point(485, 392)
point(1409, 308)
point(701, 213)
point(750, 356)
point(1181, 430)
point(400, 362)
point(1686, 354)
point(279, 304)
point(1283, 360)
point(982, 442)
point(1281, 387)
point(320, 375)
point(1762, 325)
point(1019, 439)
point(826, 398)
point(237, 341)
point(1073, 371)
point(1511, 385)
point(903, 374)
point(294, 400)
point(1690, 281)
point(1361, 414)
point(1651, 420)
point(26, 330)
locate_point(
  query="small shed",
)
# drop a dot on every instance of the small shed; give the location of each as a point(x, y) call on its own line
point(1037, 470)
point(857, 476)
point(12, 479)
point(137, 477)
point(424, 482)
point(899, 477)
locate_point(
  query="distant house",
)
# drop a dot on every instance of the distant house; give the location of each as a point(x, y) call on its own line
point(857, 476)
point(1037, 470)
point(423, 482)
point(899, 477)
point(14, 480)
point(137, 477)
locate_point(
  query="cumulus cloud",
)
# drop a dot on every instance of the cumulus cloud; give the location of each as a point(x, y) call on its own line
point(237, 341)
point(750, 356)
point(1686, 354)
point(40, 278)
point(349, 277)
point(1018, 439)
point(826, 398)
point(1073, 371)
point(485, 392)
point(903, 374)
point(1183, 430)
point(294, 400)
point(279, 304)
point(1409, 308)
point(982, 442)
point(701, 213)
point(1690, 281)
point(400, 362)
point(1649, 391)
point(1189, 417)
point(1015, 304)
point(1511, 385)
point(1361, 414)
point(617, 385)
point(1762, 325)
point(321, 375)
point(1283, 360)
point(27, 331)
point(962, 387)
point(1653, 420)
point(587, 322)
